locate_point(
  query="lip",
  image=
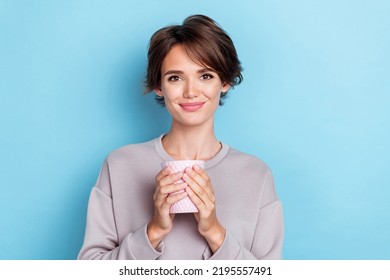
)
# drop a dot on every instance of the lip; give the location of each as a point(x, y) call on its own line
point(192, 106)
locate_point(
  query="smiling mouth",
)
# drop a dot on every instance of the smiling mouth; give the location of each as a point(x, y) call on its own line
point(192, 107)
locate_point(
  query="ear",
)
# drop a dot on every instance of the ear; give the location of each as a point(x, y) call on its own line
point(158, 91)
point(225, 87)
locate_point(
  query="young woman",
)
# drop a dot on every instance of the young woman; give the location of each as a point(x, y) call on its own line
point(191, 67)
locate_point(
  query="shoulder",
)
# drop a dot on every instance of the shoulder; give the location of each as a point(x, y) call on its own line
point(138, 151)
point(254, 170)
point(246, 161)
point(125, 164)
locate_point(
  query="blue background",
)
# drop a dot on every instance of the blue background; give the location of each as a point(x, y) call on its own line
point(314, 105)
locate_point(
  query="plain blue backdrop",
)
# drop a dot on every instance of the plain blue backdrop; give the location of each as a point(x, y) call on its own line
point(314, 105)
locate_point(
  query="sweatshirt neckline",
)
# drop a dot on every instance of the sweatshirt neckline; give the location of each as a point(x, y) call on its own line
point(208, 163)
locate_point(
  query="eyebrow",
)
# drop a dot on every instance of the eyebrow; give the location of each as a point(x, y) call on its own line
point(178, 72)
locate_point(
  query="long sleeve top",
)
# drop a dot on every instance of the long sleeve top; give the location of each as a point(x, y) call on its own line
point(121, 205)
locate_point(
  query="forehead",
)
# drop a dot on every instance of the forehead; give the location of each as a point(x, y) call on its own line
point(179, 59)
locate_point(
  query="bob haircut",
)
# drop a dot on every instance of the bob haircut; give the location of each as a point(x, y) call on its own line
point(205, 42)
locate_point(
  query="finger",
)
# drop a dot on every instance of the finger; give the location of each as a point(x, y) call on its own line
point(196, 200)
point(201, 188)
point(200, 176)
point(201, 172)
point(169, 200)
point(162, 192)
point(173, 188)
point(173, 198)
point(163, 173)
point(170, 179)
point(198, 190)
point(195, 176)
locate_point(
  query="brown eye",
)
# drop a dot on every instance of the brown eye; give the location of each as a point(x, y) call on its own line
point(173, 78)
point(207, 77)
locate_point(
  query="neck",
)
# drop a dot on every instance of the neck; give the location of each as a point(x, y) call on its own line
point(191, 143)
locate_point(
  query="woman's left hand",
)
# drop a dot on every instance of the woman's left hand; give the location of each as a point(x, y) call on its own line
point(201, 193)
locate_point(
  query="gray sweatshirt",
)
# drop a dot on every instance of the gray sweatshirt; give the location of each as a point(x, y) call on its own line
point(121, 205)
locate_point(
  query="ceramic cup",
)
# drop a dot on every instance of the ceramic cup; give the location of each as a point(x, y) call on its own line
point(184, 205)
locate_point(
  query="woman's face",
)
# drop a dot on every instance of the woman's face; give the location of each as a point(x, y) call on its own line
point(191, 91)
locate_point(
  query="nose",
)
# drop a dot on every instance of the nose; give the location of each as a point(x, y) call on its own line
point(191, 89)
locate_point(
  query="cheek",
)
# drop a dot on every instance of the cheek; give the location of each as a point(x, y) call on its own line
point(213, 92)
point(171, 92)
point(170, 96)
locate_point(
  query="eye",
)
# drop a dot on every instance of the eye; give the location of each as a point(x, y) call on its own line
point(206, 76)
point(173, 78)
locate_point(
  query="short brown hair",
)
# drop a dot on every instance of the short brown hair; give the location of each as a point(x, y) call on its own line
point(205, 42)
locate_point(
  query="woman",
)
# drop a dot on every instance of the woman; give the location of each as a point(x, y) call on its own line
point(190, 68)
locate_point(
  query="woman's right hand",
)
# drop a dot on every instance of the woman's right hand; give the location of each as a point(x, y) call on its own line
point(162, 221)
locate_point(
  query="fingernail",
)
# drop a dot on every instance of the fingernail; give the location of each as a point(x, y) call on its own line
point(188, 170)
point(196, 167)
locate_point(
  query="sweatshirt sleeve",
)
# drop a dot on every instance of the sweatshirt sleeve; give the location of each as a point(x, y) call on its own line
point(101, 238)
point(268, 236)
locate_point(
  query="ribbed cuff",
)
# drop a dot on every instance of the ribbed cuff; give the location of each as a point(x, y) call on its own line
point(141, 247)
point(229, 250)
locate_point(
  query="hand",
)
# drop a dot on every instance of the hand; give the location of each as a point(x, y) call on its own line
point(201, 193)
point(161, 223)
